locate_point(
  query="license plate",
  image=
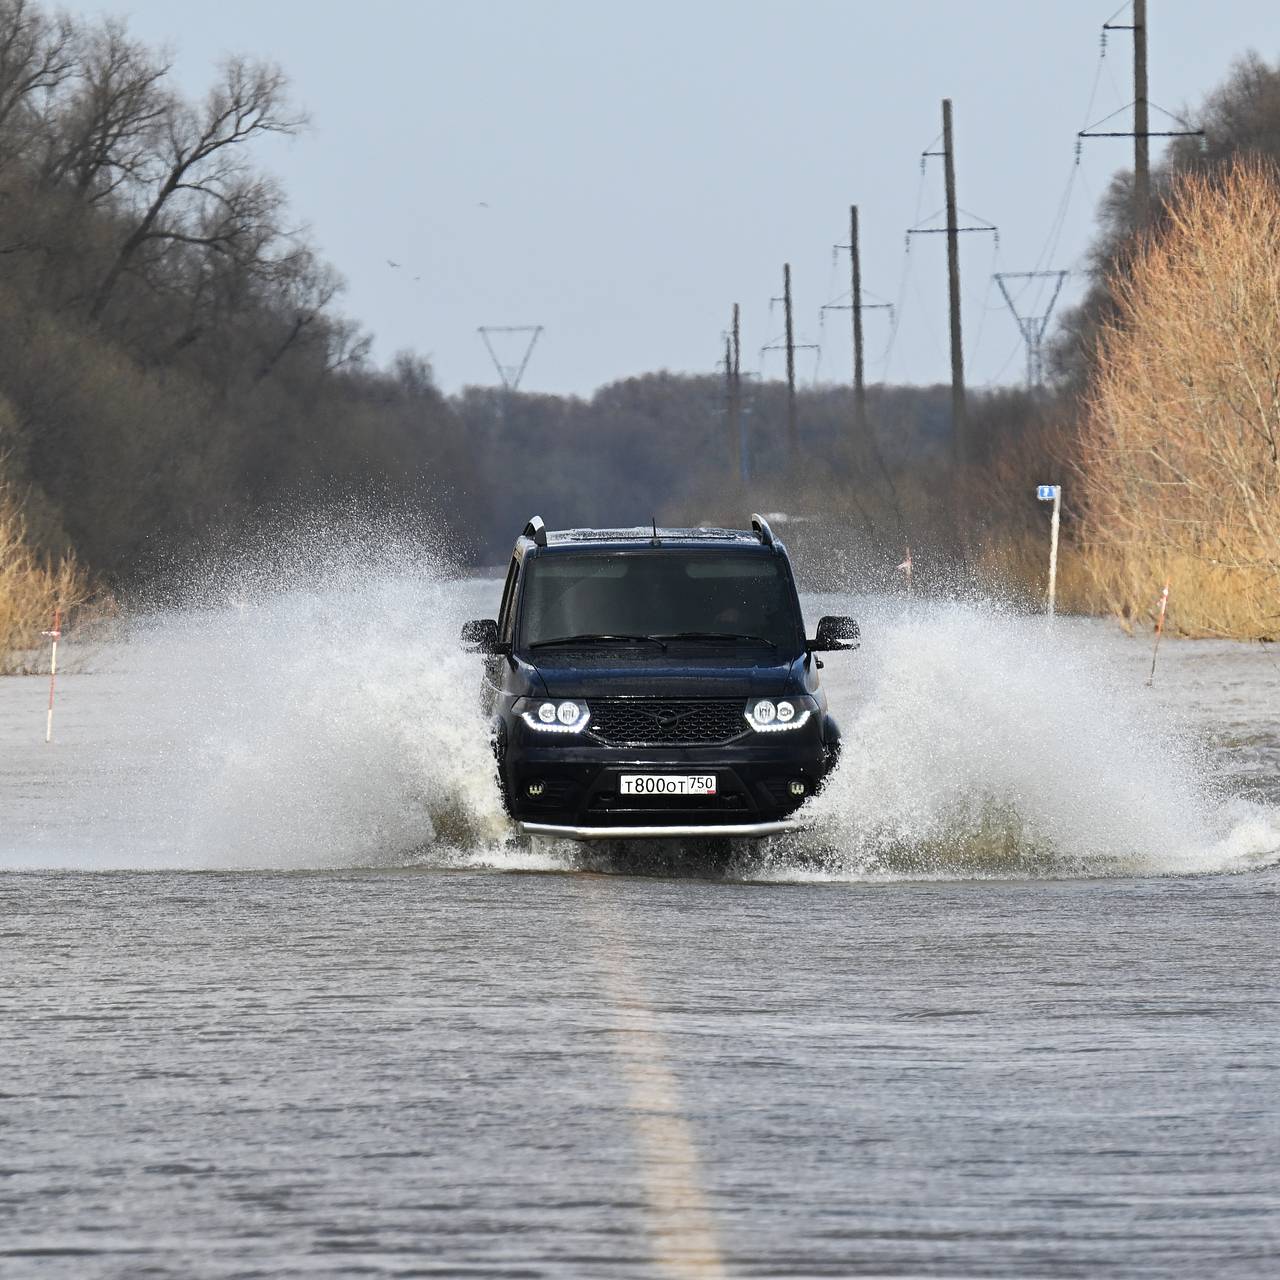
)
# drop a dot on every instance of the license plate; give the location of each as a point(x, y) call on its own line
point(668, 784)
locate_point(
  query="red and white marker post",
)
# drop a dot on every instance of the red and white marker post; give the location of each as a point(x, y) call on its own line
point(53, 668)
point(905, 567)
point(1164, 604)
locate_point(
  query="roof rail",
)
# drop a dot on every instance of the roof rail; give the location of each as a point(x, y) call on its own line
point(760, 527)
point(536, 530)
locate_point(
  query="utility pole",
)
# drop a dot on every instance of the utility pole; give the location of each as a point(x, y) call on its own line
point(1141, 133)
point(790, 346)
point(793, 433)
point(855, 302)
point(959, 425)
point(857, 307)
point(736, 445)
point(952, 230)
point(959, 416)
point(731, 437)
point(733, 396)
point(863, 436)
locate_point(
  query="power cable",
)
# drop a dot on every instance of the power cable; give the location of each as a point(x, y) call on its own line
point(903, 277)
point(999, 373)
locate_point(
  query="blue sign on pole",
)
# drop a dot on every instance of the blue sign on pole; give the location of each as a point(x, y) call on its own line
point(1046, 492)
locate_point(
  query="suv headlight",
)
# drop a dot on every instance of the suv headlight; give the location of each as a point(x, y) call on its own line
point(777, 715)
point(554, 715)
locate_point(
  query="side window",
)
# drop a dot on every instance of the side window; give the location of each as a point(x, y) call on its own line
point(506, 614)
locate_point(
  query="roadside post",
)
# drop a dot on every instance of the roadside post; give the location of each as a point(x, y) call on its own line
point(1052, 493)
point(1155, 652)
point(53, 668)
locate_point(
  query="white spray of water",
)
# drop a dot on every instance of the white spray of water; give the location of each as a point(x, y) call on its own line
point(987, 742)
point(333, 722)
point(330, 728)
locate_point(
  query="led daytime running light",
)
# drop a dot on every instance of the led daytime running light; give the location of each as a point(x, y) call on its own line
point(776, 720)
point(781, 728)
point(557, 711)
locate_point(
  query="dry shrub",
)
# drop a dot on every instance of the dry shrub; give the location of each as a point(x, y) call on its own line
point(30, 587)
point(1180, 455)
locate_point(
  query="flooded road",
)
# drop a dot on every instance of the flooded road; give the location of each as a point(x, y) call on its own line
point(467, 1074)
point(282, 998)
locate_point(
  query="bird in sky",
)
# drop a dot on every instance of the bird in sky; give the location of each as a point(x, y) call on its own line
point(392, 264)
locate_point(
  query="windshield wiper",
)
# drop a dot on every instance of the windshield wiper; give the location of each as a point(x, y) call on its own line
point(715, 637)
point(599, 637)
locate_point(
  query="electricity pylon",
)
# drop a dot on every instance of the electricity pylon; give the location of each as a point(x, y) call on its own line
point(1032, 327)
point(510, 374)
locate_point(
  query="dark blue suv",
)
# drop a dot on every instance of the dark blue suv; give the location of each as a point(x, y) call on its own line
point(655, 683)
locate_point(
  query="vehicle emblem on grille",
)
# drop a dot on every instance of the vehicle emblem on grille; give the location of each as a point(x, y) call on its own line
point(669, 719)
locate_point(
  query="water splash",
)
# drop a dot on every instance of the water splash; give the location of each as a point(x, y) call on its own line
point(990, 743)
point(320, 715)
point(312, 710)
point(335, 728)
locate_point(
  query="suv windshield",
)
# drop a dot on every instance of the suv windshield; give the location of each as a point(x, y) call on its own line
point(701, 595)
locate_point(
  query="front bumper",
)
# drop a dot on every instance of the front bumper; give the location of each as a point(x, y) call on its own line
point(572, 790)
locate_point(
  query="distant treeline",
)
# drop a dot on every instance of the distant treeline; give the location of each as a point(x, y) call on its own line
point(174, 363)
point(660, 447)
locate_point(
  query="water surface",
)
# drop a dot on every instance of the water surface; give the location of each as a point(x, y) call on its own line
point(283, 998)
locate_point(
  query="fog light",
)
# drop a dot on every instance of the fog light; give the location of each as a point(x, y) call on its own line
point(796, 788)
point(535, 789)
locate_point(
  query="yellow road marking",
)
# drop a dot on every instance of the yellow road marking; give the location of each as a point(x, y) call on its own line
point(682, 1229)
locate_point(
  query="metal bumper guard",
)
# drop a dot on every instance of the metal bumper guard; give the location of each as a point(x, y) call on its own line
point(729, 830)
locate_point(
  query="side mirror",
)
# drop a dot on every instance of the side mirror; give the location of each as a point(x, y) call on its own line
point(835, 633)
point(481, 636)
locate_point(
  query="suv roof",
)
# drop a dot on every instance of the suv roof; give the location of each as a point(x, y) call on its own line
point(759, 535)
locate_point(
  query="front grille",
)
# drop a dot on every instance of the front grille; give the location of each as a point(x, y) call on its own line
point(645, 723)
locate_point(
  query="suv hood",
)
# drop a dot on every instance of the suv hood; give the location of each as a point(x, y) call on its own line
point(666, 676)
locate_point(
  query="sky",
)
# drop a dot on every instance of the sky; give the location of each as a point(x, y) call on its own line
point(622, 173)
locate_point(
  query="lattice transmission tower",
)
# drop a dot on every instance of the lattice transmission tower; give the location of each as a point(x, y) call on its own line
point(1032, 327)
point(510, 374)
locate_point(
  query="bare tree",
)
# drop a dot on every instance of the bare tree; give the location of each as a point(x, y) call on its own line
point(1242, 115)
point(37, 55)
point(201, 192)
point(107, 131)
point(307, 288)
